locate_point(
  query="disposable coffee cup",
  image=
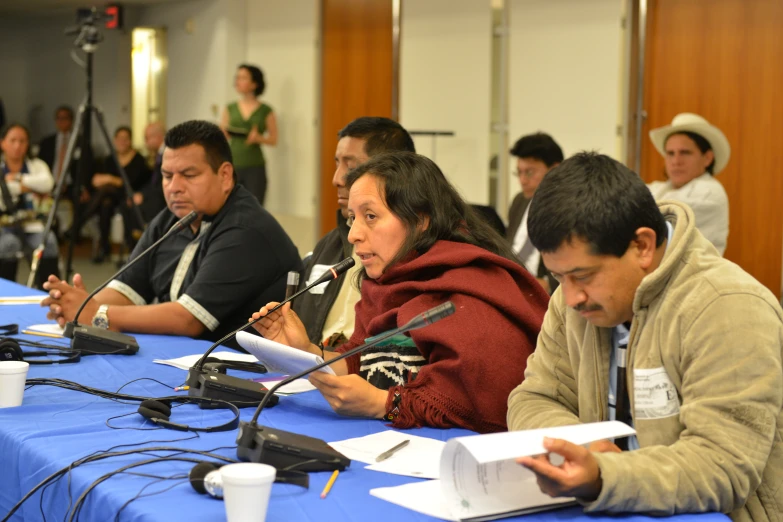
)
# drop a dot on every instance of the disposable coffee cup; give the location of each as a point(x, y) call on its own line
point(13, 375)
point(246, 490)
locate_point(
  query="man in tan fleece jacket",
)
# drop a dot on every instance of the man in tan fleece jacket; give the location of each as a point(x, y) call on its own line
point(651, 326)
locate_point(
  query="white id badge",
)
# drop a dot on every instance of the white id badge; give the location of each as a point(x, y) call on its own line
point(655, 396)
point(315, 273)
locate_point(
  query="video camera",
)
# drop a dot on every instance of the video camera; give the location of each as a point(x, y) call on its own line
point(88, 19)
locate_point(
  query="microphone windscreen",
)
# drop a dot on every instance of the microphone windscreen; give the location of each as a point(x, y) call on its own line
point(184, 222)
point(343, 266)
point(430, 316)
point(335, 271)
point(198, 473)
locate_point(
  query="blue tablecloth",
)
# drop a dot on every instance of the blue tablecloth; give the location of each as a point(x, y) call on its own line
point(54, 427)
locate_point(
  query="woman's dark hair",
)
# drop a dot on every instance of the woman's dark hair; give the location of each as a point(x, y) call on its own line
point(206, 135)
point(596, 199)
point(17, 125)
point(257, 76)
point(124, 128)
point(414, 188)
point(700, 142)
point(538, 146)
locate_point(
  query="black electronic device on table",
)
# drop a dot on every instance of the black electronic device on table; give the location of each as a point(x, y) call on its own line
point(283, 449)
point(237, 391)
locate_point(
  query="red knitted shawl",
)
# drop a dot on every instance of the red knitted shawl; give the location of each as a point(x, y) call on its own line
point(474, 357)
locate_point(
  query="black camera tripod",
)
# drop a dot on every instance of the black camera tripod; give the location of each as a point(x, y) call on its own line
point(88, 39)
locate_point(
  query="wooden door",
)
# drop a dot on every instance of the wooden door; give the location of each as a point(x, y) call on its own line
point(356, 79)
point(723, 59)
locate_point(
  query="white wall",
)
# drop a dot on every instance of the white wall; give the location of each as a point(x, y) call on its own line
point(196, 40)
point(445, 82)
point(565, 73)
point(282, 40)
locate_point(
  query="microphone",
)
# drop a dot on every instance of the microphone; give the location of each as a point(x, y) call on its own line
point(241, 391)
point(283, 449)
point(206, 479)
point(91, 340)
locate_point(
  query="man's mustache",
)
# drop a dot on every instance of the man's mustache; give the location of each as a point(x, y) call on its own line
point(585, 308)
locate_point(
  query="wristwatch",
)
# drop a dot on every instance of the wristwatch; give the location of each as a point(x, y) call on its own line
point(101, 318)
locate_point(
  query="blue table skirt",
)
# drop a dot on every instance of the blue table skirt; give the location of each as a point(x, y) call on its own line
point(55, 427)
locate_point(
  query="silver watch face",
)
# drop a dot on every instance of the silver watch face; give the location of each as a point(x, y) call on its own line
point(101, 321)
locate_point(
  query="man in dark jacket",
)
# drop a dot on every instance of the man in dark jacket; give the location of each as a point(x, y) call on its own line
point(327, 310)
point(536, 155)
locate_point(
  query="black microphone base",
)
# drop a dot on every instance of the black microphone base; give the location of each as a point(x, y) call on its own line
point(240, 392)
point(90, 340)
point(286, 450)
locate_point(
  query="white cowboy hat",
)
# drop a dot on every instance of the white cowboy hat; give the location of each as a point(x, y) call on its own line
point(689, 122)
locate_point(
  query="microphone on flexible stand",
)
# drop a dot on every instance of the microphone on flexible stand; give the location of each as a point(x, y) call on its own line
point(92, 340)
point(283, 449)
point(242, 392)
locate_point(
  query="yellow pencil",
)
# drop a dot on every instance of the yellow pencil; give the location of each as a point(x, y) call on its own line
point(42, 334)
point(328, 486)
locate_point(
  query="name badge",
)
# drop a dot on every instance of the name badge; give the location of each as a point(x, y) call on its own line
point(315, 273)
point(655, 396)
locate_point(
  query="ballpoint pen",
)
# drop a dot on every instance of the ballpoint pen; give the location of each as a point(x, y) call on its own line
point(388, 453)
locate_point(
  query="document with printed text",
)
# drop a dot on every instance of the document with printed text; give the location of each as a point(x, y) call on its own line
point(480, 479)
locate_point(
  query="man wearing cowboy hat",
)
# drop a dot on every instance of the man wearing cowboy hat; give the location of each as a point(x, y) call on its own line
point(695, 151)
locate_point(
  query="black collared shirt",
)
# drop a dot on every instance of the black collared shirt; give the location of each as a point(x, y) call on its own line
point(236, 263)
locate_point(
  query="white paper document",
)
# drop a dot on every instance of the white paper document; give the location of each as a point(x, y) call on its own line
point(419, 458)
point(47, 328)
point(479, 478)
point(292, 388)
point(187, 362)
point(20, 300)
point(279, 358)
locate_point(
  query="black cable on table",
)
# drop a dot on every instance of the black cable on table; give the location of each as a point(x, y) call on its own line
point(97, 457)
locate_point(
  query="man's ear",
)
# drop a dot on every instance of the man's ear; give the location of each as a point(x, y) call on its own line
point(226, 173)
point(645, 244)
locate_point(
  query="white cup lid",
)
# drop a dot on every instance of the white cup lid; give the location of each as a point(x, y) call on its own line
point(13, 367)
point(248, 473)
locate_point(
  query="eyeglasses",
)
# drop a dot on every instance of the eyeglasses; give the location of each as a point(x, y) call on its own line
point(528, 174)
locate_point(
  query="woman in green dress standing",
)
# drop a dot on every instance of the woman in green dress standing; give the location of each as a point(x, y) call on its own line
point(249, 123)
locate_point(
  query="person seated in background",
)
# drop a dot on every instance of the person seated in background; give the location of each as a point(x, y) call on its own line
point(646, 305)
point(53, 147)
point(421, 245)
point(25, 185)
point(149, 198)
point(52, 150)
point(109, 192)
point(536, 155)
point(327, 310)
point(695, 152)
point(206, 278)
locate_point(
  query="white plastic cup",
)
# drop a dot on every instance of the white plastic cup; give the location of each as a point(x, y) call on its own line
point(13, 375)
point(246, 490)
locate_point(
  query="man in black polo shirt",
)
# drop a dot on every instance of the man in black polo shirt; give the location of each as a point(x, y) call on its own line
point(327, 310)
point(207, 279)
